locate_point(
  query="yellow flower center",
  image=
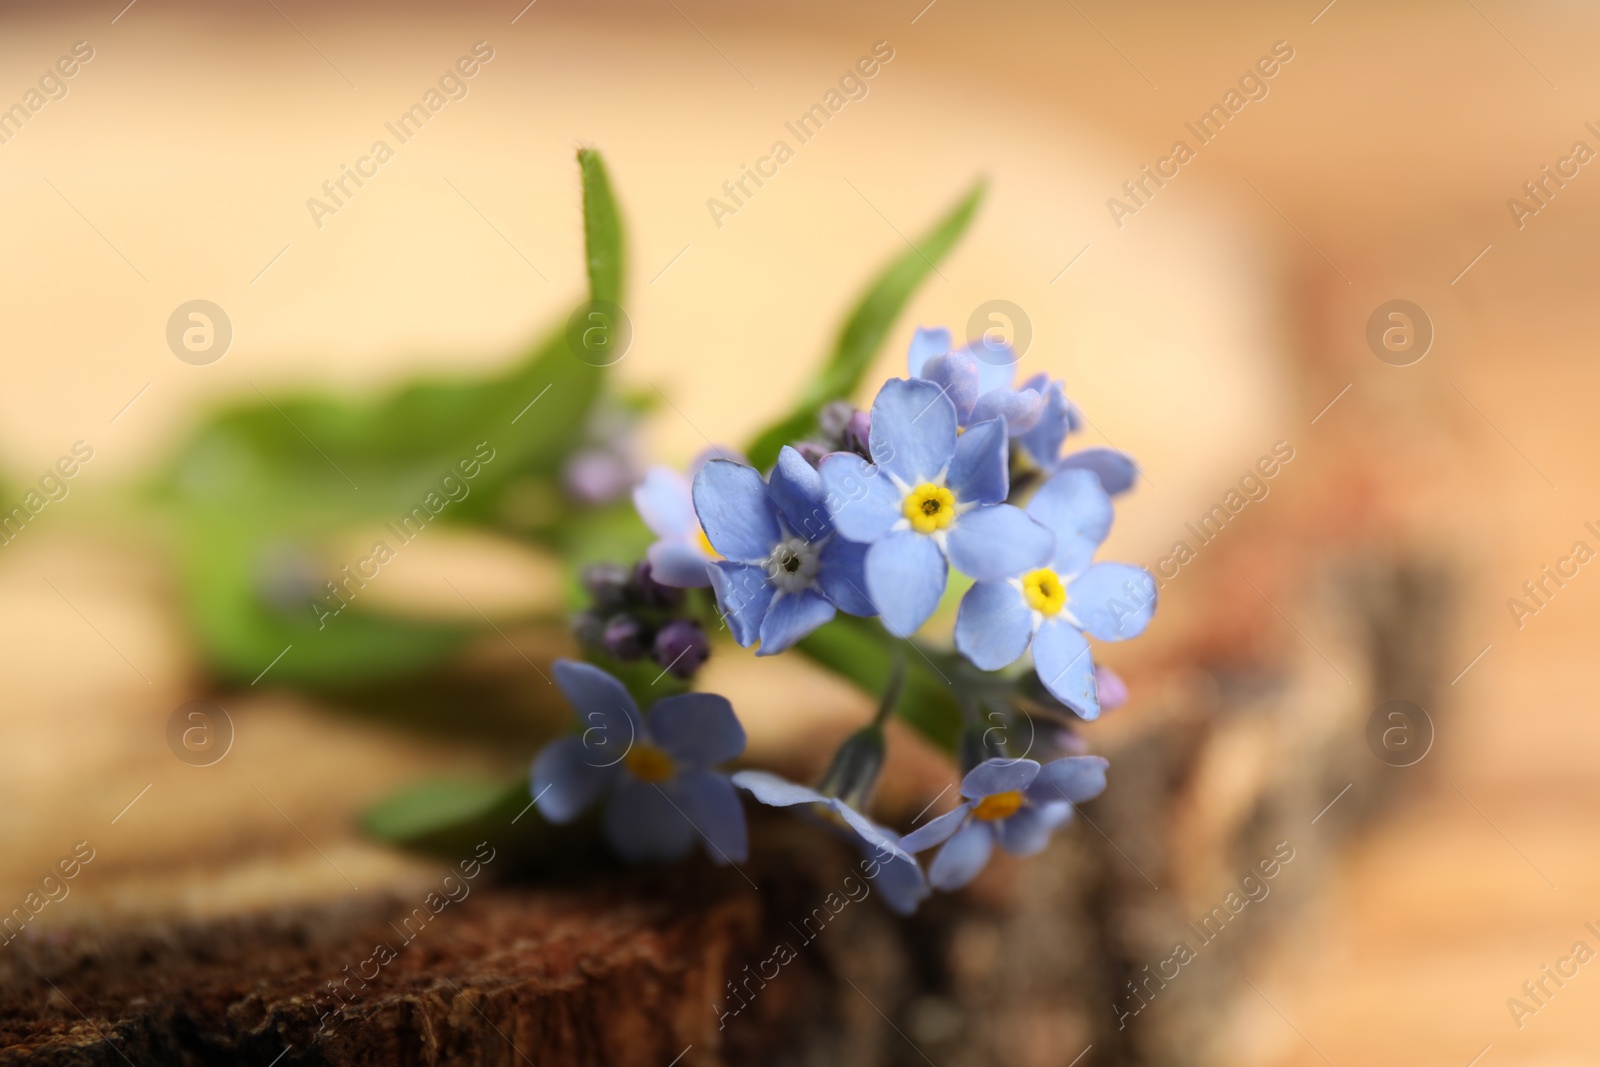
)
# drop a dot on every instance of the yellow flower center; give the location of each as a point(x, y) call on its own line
point(649, 764)
point(705, 544)
point(930, 507)
point(1000, 806)
point(1044, 591)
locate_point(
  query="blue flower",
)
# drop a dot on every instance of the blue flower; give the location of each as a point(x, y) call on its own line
point(1058, 418)
point(977, 379)
point(786, 569)
point(1014, 803)
point(663, 792)
point(928, 496)
point(663, 499)
point(897, 875)
point(1054, 606)
point(1116, 470)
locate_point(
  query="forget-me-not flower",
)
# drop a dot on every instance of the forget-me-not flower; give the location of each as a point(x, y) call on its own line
point(786, 569)
point(1014, 803)
point(977, 379)
point(898, 876)
point(927, 497)
point(681, 555)
point(1054, 605)
point(657, 771)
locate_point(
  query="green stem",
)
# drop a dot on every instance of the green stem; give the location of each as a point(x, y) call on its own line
point(891, 692)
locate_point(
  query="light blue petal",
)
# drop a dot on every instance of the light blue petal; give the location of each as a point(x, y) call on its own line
point(600, 702)
point(842, 574)
point(662, 500)
point(698, 730)
point(713, 807)
point(739, 518)
point(913, 430)
point(743, 594)
point(962, 857)
point(861, 499)
point(906, 575)
point(790, 617)
point(957, 374)
point(1061, 659)
point(776, 792)
point(1028, 831)
point(998, 776)
point(997, 364)
point(993, 625)
point(1043, 442)
point(1113, 601)
point(1073, 778)
point(679, 563)
point(645, 822)
point(1019, 409)
point(899, 880)
point(1116, 470)
point(566, 780)
point(997, 542)
point(936, 831)
point(1077, 510)
point(925, 344)
point(978, 473)
point(796, 487)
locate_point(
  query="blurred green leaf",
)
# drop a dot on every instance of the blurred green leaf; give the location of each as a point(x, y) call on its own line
point(865, 330)
point(427, 809)
point(602, 229)
point(863, 652)
point(293, 473)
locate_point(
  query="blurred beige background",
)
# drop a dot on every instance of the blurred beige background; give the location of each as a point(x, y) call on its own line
point(1223, 316)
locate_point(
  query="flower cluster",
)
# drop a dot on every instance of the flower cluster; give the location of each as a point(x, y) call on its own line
point(953, 468)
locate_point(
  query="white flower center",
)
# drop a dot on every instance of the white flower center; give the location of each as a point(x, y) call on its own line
point(793, 565)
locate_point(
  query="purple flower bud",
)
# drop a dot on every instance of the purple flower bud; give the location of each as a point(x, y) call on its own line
point(858, 434)
point(681, 647)
point(651, 593)
point(625, 637)
point(596, 476)
point(1109, 689)
point(811, 452)
point(589, 628)
point(607, 584)
point(834, 418)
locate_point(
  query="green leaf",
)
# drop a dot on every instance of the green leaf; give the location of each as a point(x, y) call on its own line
point(863, 652)
point(301, 471)
point(602, 230)
point(865, 330)
point(426, 809)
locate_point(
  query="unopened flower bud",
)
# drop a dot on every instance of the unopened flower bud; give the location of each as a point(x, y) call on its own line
point(853, 772)
point(625, 637)
point(834, 418)
point(681, 647)
point(858, 434)
point(651, 593)
point(607, 585)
